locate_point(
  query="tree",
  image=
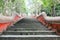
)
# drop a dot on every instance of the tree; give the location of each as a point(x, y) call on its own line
point(50, 5)
point(1, 5)
point(20, 6)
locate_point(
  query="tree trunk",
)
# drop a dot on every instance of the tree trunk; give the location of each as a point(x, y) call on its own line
point(53, 11)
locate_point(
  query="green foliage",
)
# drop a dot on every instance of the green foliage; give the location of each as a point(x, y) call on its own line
point(20, 6)
point(37, 5)
point(1, 5)
point(12, 0)
point(58, 9)
point(48, 5)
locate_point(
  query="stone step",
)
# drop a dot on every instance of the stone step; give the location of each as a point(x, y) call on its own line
point(29, 33)
point(29, 37)
point(29, 29)
point(25, 29)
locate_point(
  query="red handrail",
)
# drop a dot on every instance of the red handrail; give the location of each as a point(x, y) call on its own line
point(54, 26)
point(4, 26)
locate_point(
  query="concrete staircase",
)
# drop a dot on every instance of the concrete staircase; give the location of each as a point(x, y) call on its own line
point(28, 29)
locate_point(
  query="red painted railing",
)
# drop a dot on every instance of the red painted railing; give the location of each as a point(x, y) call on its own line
point(4, 26)
point(52, 25)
